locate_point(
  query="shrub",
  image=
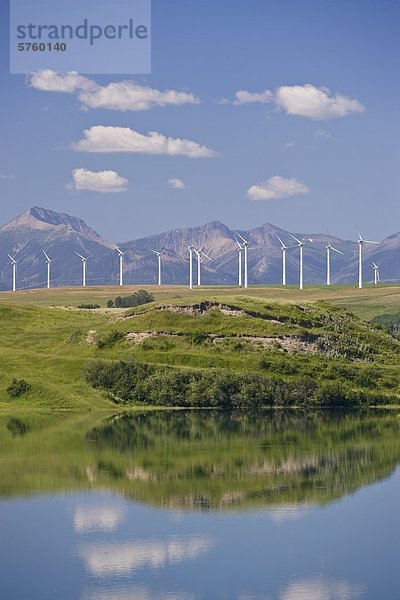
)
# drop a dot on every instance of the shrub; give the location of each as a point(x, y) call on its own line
point(18, 387)
point(109, 339)
point(136, 299)
point(89, 306)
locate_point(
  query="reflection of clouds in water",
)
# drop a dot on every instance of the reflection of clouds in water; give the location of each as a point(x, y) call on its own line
point(121, 558)
point(135, 593)
point(93, 518)
point(320, 589)
point(280, 514)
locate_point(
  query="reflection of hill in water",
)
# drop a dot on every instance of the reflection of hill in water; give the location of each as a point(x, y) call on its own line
point(201, 459)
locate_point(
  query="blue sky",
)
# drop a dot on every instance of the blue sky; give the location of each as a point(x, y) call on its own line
point(318, 159)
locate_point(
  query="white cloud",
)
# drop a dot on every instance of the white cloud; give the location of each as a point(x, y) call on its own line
point(127, 95)
point(277, 187)
point(304, 100)
point(290, 144)
point(244, 97)
point(4, 176)
point(315, 103)
point(108, 559)
point(123, 139)
point(97, 518)
point(50, 81)
point(98, 181)
point(122, 95)
point(176, 184)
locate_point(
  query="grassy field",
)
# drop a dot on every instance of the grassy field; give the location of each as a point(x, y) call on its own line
point(46, 340)
point(366, 303)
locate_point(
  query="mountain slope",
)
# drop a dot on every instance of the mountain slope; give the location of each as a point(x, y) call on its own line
point(61, 236)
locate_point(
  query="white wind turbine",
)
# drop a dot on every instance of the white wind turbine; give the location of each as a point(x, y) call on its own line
point(240, 251)
point(245, 246)
point(120, 256)
point(301, 245)
point(283, 248)
point(328, 262)
point(84, 261)
point(376, 273)
point(199, 261)
point(14, 272)
point(191, 248)
point(48, 263)
point(360, 243)
point(159, 254)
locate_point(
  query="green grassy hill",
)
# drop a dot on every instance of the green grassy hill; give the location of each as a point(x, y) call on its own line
point(297, 342)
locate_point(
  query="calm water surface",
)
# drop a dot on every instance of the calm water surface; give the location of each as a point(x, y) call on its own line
point(192, 506)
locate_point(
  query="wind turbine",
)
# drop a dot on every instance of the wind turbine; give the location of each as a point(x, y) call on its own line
point(120, 255)
point(376, 273)
point(159, 254)
point(328, 262)
point(301, 245)
point(240, 251)
point(199, 261)
point(191, 248)
point(14, 270)
point(283, 248)
point(84, 261)
point(245, 246)
point(48, 263)
point(360, 243)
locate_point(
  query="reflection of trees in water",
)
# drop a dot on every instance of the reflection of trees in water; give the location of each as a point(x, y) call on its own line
point(17, 426)
point(211, 459)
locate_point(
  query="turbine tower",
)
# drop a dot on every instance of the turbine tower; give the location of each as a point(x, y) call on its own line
point(301, 245)
point(283, 248)
point(376, 273)
point(120, 255)
point(159, 254)
point(14, 272)
point(240, 252)
point(84, 261)
point(245, 246)
point(328, 262)
point(199, 261)
point(48, 263)
point(360, 243)
point(191, 248)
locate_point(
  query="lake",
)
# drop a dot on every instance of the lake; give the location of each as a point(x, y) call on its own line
point(198, 505)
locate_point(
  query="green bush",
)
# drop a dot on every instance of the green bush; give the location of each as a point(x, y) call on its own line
point(136, 299)
point(109, 339)
point(89, 306)
point(18, 387)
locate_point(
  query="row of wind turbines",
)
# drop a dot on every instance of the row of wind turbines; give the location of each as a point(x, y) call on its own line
point(243, 246)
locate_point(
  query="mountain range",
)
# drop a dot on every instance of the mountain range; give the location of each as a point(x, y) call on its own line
point(61, 236)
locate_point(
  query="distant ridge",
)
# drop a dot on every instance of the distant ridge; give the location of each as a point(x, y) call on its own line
point(61, 235)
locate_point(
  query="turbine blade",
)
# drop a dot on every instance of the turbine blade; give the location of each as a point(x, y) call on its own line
point(206, 255)
point(282, 244)
point(336, 250)
point(295, 238)
point(241, 237)
point(369, 242)
point(46, 256)
point(80, 255)
point(118, 250)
